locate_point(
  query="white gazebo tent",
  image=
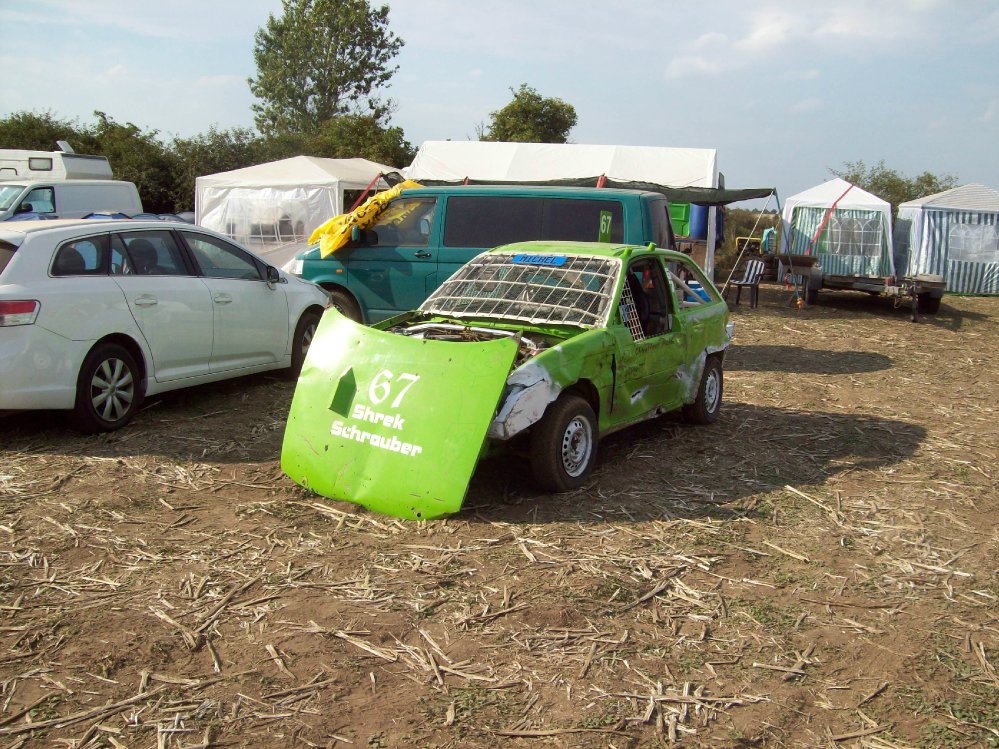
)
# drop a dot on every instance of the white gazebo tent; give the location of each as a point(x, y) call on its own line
point(281, 201)
point(848, 228)
point(954, 234)
point(639, 166)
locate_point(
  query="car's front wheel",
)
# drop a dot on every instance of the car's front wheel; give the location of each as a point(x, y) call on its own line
point(345, 304)
point(564, 444)
point(305, 331)
point(108, 390)
point(706, 408)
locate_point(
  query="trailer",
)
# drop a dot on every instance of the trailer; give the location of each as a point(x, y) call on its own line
point(921, 292)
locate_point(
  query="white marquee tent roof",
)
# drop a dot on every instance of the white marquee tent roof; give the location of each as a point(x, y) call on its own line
point(350, 174)
point(849, 197)
point(538, 162)
point(965, 198)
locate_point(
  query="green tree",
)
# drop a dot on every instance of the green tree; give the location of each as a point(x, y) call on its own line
point(320, 59)
point(139, 157)
point(358, 135)
point(531, 118)
point(209, 153)
point(38, 131)
point(892, 186)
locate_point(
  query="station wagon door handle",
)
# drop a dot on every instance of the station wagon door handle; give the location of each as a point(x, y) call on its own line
point(223, 299)
point(146, 300)
point(423, 253)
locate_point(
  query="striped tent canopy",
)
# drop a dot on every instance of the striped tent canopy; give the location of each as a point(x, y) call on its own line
point(954, 234)
point(847, 227)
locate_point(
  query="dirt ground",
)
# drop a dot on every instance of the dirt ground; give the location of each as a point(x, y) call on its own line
point(817, 569)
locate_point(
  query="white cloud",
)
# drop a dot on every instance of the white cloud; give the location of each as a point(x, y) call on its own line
point(683, 67)
point(807, 106)
point(991, 112)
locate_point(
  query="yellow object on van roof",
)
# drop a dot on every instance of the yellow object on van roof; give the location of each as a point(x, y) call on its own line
point(335, 233)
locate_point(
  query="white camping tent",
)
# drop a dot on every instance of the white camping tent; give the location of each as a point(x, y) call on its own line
point(847, 227)
point(487, 161)
point(954, 234)
point(281, 200)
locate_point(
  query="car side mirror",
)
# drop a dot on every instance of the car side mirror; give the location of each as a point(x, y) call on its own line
point(355, 234)
point(273, 275)
point(25, 208)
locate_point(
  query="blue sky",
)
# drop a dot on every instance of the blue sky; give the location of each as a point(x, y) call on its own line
point(783, 90)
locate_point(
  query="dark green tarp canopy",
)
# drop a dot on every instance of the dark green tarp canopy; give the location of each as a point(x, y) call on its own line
point(698, 195)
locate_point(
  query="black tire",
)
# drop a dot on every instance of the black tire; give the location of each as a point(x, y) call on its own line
point(706, 408)
point(305, 331)
point(108, 390)
point(564, 444)
point(811, 296)
point(927, 304)
point(345, 304)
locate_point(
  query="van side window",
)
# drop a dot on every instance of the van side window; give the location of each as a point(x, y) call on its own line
point(483, 221)
point(82, 257)
point(41, 200)
point(406, 221)
point(579, 220)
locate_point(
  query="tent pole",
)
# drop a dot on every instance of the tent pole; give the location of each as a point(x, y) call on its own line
point(743, 251)
point(364, 194)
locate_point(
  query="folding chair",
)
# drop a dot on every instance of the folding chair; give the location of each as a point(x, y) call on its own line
point(751, 279)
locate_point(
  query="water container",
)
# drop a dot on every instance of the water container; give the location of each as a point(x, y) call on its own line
point(698, 221)
point(696, 287)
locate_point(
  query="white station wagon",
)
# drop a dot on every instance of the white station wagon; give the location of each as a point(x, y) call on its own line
point(96, 315)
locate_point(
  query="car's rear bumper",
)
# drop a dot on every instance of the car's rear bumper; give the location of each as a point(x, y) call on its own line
point(38, 369)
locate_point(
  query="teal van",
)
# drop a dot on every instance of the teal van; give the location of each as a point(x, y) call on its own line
point(426, 234)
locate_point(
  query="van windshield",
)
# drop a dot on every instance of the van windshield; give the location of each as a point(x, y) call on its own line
point(8, 194)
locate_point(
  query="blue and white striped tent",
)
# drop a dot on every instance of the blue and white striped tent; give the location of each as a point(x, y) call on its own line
point(954, 234)
point(847, 227)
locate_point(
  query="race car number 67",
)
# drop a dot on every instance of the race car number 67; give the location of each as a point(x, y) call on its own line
point(382, 385)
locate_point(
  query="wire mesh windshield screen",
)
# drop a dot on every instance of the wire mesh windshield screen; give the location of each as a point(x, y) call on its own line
point(555, 289)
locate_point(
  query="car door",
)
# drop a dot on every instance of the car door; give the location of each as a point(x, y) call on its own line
point(171, 305)
point(251, 324)
point(651, 345)
point(391, 266)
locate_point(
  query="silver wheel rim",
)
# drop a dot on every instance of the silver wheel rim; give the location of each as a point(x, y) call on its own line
point(112, 389)
point(307, 335)
point(712, 391)
point(577, 446)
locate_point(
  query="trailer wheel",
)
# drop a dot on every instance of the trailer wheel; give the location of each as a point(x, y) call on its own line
point(927, 303)
point(811, 296)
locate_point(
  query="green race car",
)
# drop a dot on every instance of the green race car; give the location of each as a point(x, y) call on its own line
point(555, 344)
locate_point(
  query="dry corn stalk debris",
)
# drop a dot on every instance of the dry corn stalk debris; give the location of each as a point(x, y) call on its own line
point(818, 568)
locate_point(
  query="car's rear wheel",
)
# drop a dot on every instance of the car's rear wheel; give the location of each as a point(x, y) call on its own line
point(108, 390)
point(706, 408)
point(564, 444)
point(305, 331)
point(345, 304)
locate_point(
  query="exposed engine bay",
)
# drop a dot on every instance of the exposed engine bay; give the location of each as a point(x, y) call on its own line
point(529, 346)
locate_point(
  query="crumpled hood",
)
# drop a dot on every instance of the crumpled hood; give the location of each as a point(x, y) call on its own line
point(391, 422)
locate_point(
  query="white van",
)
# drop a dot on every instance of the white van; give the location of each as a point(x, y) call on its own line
point(70, 199)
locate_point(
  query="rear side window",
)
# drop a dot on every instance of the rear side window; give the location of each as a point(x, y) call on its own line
point(483, 221)
point(148, 253)
point(579, 220)
point(6, 253)
point(219, 259)
point(82, 257)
